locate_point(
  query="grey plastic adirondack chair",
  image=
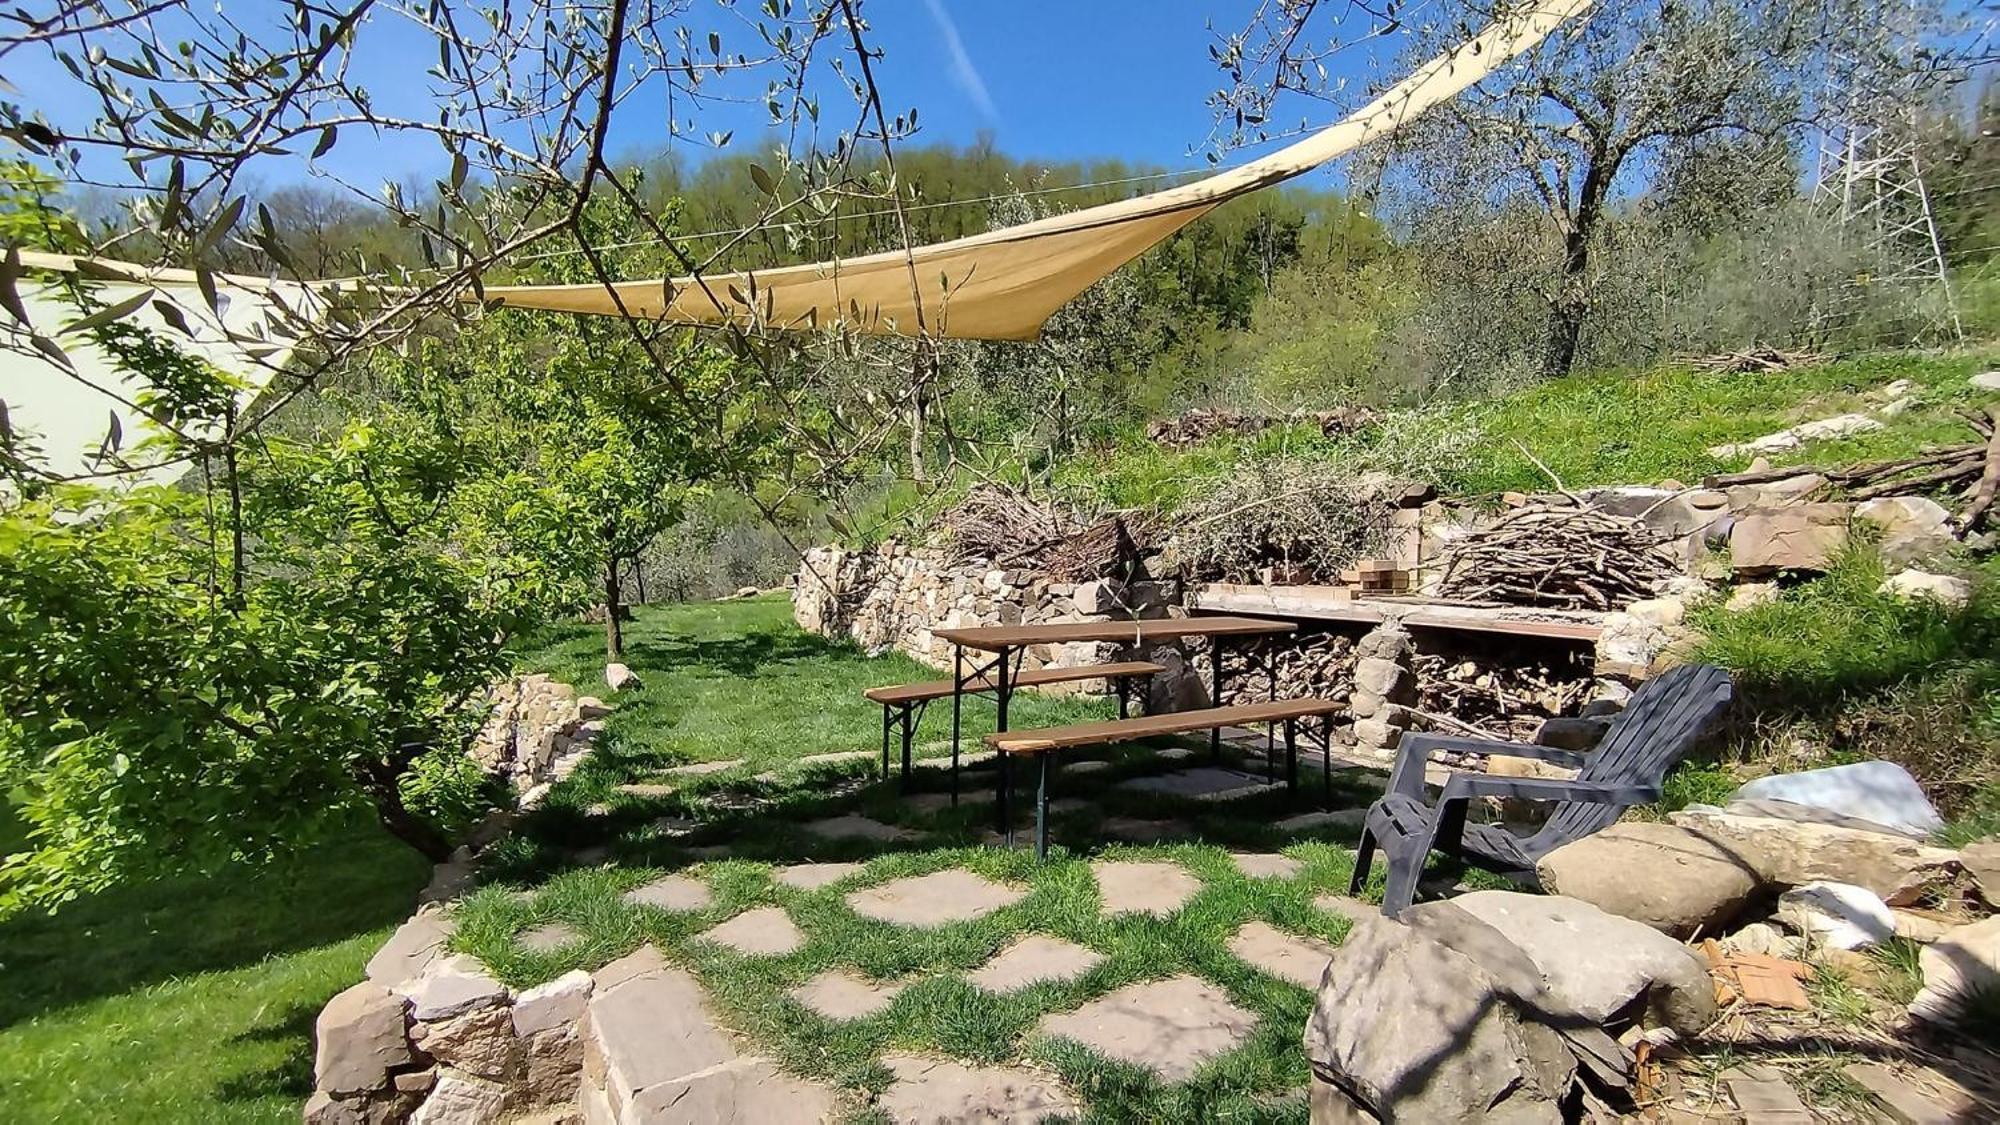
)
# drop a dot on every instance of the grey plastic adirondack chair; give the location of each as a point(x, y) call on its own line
point(1666, 718)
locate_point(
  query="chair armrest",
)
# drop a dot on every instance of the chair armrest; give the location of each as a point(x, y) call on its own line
point(1463, 786)
point(1568, 758)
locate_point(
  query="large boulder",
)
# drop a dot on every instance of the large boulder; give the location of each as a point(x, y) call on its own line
point(1795, 537)
point(360, 1040)
point(1791, 853)
point(1878, 792)
point(1670, 878)
point(1957, 967)
point(1421, 1019)
point(1913, 527)
point(1597, 965)
point(1946, 590)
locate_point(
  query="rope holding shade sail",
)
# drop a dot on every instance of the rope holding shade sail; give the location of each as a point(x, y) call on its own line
point(1004, 284)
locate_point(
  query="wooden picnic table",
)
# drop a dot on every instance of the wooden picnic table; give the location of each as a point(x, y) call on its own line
point(1009, 643)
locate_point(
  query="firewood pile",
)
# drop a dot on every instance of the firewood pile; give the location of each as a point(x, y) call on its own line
point(1200, 425)
point(1499, 698)
point(1971, 470)
point(1317, 664)
point(1566, 555)
point(1754, 359)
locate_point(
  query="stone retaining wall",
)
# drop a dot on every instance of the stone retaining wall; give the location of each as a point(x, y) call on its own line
point(536, 732)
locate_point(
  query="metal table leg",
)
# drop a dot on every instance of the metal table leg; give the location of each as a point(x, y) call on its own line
point(1215, 697)
point(1042, 809)
point(885, 742)
point(957, 698)
point(1003, 688)
point(1291, 756)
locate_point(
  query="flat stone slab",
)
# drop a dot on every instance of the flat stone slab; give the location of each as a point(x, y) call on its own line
point(813, 876)
point(1088, 765)
point(1148, 887)
point(411, 949)
point(840, 995)
point(966, 758)
point(1352, 909)
point(1032, 960)
point(939, 802)
point(673, 826)
point(1174, 754)
point(1301, 960)
point(928, 1090)
point(649, 790)
point(1170, 1027)
point(1266, 865)
point(831, 759)
point(675, 892)
point(696, 769)
point(766, 931)
point(1063, 806)
point(856, 828)
point(750, 1089)
point(548, 937)
point(1203, 783)
point(1336, 818)
point(1137, 831)
point(952, 895)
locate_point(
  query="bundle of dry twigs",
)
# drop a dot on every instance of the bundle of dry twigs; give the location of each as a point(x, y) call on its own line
point(1754, 359)
point(1006, 525)
point(1551, 555)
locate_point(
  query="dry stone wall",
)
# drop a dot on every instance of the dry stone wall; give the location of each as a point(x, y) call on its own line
point(536, 732)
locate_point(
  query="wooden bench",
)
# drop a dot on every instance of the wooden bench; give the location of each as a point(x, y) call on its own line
point(1043, 742)
point(904, 703)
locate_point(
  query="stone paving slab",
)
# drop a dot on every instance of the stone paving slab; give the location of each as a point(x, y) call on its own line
point(674, 892)
point(1170, 1027)
point(966, 757)
point(857, 828)
point(1150, 887)
point(766, 931)
point(928, 1091)
point(939, 802)
point(696, 769)
point(1301, 960)
point(1032, 960)
point(548, 937)
point(749, 1090)
point(813, 876)
point(1352, 909)
point(834, 758)
point(841, 995)
point(648, 790)
point(1203, 783)
point(1136, 831)
point(1336, 818)
point(1266, 865)
point(951, 895)
point(1088, 765)
point(1174, 754)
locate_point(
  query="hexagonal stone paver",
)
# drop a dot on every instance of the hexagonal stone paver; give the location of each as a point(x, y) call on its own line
point(1266, 865)
point(766, 931)
point(674, 892)
point(1203, 783)
point(1032, 960)
point(695, 769)
point(1301, 960)
point(952, 895)
point(856, 828)
point(935, 1090)
point(548, 937)
point(813, 876)
point(840, 995)
point(1169, 1027)
point(1152, 888)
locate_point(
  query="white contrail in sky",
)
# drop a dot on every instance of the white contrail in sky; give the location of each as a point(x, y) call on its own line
point(962, 70)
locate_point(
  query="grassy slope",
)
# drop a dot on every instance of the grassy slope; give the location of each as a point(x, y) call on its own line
point(192, 1000)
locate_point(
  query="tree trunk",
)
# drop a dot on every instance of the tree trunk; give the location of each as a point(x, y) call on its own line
point(1572, 303)
point(378, 780)
point(639, 573)
point(614, 630)
point(917, 436)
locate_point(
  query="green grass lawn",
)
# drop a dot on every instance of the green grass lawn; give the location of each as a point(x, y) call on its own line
point(738, 681)
point(192, 1000)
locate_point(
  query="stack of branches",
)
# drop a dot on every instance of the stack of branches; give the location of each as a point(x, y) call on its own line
point(1311, 664)
point(1200, 424)
point(1759, 358)
point(1007, 525)
point(1308, 519)
point(1555, 554)
point(1972, 468)
point(1113, 547)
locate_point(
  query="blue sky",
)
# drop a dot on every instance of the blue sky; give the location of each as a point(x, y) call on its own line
point(1050, 80)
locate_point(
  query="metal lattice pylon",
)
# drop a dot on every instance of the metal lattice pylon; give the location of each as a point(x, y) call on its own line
point(1873, 176)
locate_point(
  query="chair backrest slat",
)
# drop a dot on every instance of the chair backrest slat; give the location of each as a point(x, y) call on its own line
point(1666, 718)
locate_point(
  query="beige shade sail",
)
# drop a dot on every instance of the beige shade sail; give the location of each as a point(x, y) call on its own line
point(1003, 284)
point(1000, 285)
